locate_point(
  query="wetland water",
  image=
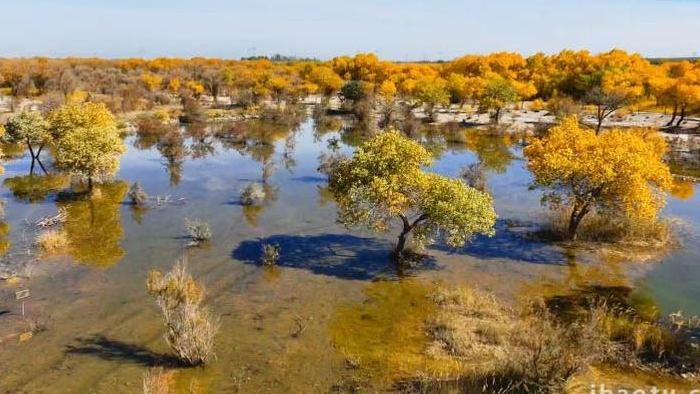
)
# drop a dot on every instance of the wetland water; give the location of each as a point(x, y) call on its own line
point(282, 328)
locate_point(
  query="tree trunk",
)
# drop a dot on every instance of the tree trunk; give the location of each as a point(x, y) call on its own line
point(575, 220)
point(682, 118)
point(498, 115)
point(401, 245)
point(673, 117)
point(600, 115)
point(42, 166)
point(31, 151)
point(407, 228)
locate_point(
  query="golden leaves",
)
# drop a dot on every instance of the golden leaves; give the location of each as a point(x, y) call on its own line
point(620, 170)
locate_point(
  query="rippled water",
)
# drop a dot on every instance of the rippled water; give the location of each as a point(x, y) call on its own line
point(102, 331)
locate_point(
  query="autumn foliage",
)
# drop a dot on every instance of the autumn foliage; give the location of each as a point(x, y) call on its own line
point(385, 181)
point(604, 82)
point(616, 172)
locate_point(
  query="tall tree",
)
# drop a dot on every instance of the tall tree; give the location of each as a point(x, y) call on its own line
point(616, 172)
point(385, 180)
point(87, 142)
point(496, 96)
point(30, 128)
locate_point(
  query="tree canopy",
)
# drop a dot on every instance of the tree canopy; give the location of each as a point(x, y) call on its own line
point(31, 128)
point(385, 180)
point(617, 171)
point(87, 142)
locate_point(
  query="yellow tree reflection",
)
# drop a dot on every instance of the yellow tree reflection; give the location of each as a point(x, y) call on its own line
point(4, 242)
point(35, 188)
point(94, 227)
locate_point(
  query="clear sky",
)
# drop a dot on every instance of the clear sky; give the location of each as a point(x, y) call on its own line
point(394, 29)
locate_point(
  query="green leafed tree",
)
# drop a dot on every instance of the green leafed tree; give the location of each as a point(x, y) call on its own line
point(385, 181)
point(30, 128)
point(497, 95)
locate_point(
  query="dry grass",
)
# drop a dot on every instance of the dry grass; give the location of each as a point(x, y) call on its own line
point(434, 339)
point(612, 228)
point(190, 328)
point(198, 231)
point(471, 326)
point(253, 194)
point(157, 381)
point(52, 242)
point(507, 351)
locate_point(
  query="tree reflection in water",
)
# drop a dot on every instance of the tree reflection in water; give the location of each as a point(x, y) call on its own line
point(36, 188)
point(94, 227)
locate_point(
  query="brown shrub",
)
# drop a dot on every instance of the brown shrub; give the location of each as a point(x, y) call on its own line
point(190, 328)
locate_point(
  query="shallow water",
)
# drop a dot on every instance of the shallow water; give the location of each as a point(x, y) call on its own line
point(103, 332)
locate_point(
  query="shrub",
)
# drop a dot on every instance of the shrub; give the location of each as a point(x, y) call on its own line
point(192, 111)
point(270, 254)
point(544, 354)
point(137, 195)
point(52, 241)
point(253, 194)
point(198, 231)
point(190, 328)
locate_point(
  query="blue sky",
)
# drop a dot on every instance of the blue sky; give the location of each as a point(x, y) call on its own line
point(394, 29)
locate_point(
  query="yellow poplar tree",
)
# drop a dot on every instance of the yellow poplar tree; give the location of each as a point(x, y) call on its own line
point(86, 141)
point(618, 171)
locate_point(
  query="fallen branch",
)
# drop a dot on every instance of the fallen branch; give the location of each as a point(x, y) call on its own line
point(49, 221)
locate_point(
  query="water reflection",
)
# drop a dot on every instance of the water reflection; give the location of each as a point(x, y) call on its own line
point(4, 241)
point(94, 227)
point(173, 149)
point(202, 144)
point(682, 190)
point(12, 151)
point(319, 260)
point(492, 151)
point(35, 188)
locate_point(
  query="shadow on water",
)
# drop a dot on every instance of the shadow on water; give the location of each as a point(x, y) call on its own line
point(511, 245)
point(339, 255)
point(114, 350)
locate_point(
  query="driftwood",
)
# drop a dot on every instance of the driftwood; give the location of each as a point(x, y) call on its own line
point(160, 201)
point(49, 221)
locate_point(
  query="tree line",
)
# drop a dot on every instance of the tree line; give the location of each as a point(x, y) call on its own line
point(606, 81)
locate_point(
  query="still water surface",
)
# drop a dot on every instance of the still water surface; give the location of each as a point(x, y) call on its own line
point(276, 333)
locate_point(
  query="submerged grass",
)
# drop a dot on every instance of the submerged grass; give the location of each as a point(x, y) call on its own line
point(52, 242)
point(384, 338)
point(421, 337)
